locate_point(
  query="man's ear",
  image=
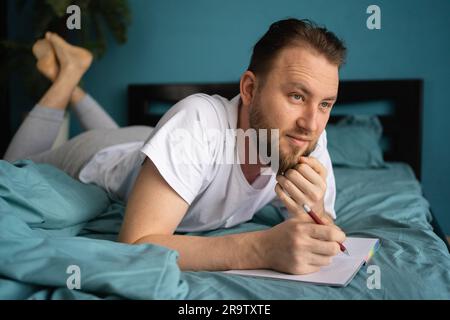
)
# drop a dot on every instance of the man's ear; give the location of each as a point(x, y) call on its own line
point(247, 87)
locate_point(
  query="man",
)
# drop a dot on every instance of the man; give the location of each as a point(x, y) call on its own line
point(290, 86)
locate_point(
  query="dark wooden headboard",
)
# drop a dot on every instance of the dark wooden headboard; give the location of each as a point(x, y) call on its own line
point(403, 126)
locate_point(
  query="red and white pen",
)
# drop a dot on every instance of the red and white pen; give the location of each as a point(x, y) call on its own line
point(319, 221)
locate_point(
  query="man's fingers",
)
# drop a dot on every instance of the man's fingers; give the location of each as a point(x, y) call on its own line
point(309, 174)
point(326, 233)
point(327, 248)
point(315, 165)
point(300, 188)
point(292, 189)
point(291, 205)
point(327, 220)
point(319, 260)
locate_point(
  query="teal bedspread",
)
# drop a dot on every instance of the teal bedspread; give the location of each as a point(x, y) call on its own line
point(50, 223)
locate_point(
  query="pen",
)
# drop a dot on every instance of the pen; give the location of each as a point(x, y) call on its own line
point(318, 221)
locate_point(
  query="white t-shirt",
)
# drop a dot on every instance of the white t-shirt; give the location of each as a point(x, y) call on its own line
point(189, 150)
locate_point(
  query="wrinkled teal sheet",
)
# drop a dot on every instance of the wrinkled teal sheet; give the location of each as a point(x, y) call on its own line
point(49, 222)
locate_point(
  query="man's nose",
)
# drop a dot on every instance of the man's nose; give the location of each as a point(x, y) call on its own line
point(308, 118)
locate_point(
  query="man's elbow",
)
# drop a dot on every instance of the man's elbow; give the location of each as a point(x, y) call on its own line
point(127, 239)
point(139, 241)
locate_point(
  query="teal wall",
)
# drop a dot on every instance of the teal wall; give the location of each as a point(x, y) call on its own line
point(210, 40)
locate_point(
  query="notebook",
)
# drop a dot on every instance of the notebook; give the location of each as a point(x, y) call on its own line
point(339, 273)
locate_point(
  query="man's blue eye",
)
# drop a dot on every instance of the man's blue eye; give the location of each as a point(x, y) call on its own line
point(325, 105)
point(297, 97)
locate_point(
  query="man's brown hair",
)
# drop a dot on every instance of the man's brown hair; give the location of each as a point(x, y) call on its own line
point(291, 33)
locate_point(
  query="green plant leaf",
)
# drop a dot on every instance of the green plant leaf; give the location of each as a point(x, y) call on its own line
point(59, 6)
point(117, 16)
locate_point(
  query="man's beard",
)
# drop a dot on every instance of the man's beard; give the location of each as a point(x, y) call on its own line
point(287, 160)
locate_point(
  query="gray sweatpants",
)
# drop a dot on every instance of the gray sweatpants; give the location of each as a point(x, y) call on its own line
point(40, 128)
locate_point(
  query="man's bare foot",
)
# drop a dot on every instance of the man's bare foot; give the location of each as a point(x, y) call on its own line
point(73, 61)
point(46, 59)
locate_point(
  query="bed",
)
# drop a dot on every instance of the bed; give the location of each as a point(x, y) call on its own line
point(53, 228)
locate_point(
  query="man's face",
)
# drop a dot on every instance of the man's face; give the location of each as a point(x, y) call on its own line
point(295, 97)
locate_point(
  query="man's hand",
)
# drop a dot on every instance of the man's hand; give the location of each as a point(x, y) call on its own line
point(304, 184)
point(299, 245)
point(296, 247)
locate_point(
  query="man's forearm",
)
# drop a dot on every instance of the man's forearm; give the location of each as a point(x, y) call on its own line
point(237, 251)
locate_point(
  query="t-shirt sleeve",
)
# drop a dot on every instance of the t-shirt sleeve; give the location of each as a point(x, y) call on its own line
point(179, 147)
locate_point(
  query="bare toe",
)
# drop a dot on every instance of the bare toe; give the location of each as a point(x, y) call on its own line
point(69, 56)
point(46, 64)
point(56, 40)
point(41, 48)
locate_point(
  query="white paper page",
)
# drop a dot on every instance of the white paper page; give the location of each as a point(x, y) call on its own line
point(338, 273)
point(359, 248)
